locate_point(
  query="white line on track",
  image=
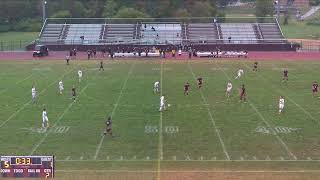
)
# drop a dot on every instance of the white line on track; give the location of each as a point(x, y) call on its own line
point(113, 111)
point(283, 144)
point(27, 103)
point(55, 124)
point(190, 171)
point(211, 117)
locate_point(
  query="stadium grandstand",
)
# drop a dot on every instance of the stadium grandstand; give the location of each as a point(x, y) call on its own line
point(201, 33)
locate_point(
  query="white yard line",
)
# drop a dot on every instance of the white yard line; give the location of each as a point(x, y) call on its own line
point(281, 92)
point(113, 111)
point(28, 77)
point(160, 145)
point(55, 124)
point(190, 171)
point(283, 144)
point(184, 160)
point(211, 117)
point(27, 103)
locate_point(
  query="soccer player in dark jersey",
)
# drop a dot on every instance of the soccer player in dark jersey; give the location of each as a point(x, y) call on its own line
point(243, 93)
point(67, 60)
point(73, 93)
point(108, 129)
point(285, 75)
point(186, 88)
point(199, 82)
point(255, 66)
point(315, 88)
point(101, 66)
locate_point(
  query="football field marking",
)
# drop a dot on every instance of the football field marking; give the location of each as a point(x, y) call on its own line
point(211, 117)
point(281, 92)
point(284, 145)
point(27, 103)
point(56, 123)
point(189, 159)
point(190, 171)
point(28, 77)
point(160, 143)
point(114, 109)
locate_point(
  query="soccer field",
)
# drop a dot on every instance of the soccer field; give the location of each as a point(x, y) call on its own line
point(200, 136)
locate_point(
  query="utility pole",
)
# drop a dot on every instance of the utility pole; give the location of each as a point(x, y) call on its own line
point(44, 4)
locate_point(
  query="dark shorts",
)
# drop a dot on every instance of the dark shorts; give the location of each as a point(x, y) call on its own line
point(314, 90)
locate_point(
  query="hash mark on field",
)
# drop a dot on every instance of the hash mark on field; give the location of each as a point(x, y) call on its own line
point(284, 145)
point(114, 109)
point(81, 158)
point(27, 103)
point(211, 117)
point(68, 157)
point(55, 124)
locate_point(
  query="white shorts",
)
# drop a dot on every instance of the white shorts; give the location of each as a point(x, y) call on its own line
point(61, 88)
point(281, 106)
point(45, 119)
point(229, 89)
point(33, 95)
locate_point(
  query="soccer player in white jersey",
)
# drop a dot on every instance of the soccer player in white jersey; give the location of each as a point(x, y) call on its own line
point(33, 94)
point(156, 87)
point(61, 88)
point(45, 120)
point(80, 75)
point(281, 104)
point(229, 89)
point(162, 104)
point(240, 73)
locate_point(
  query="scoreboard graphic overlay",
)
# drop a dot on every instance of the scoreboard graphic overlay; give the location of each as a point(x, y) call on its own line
point(27, 166)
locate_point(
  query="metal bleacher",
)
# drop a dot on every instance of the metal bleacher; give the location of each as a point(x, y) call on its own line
point(90, 33)
point(118, 33)
point(165, 33)
point(247, 32)
point(271, 33)
point(238, 33)
point(203, 33)
point(51, 33)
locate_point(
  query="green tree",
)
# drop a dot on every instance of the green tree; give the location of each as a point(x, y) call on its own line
point(202, 9)
point(264, 8)
point(62, 14)
point(110, 8)
point(130, 13)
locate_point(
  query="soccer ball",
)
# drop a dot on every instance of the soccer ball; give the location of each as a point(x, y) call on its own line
point(169, 105)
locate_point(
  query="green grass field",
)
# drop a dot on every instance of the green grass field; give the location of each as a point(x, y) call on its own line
point(10, 41)
point(200, 136)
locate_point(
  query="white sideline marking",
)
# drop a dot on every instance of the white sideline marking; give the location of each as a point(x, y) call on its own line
point(55, 124)
point(114, 109)
point(211, 117)
point(27, 103)
point(191, 171)
point(284, 145)
point(191, 160)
